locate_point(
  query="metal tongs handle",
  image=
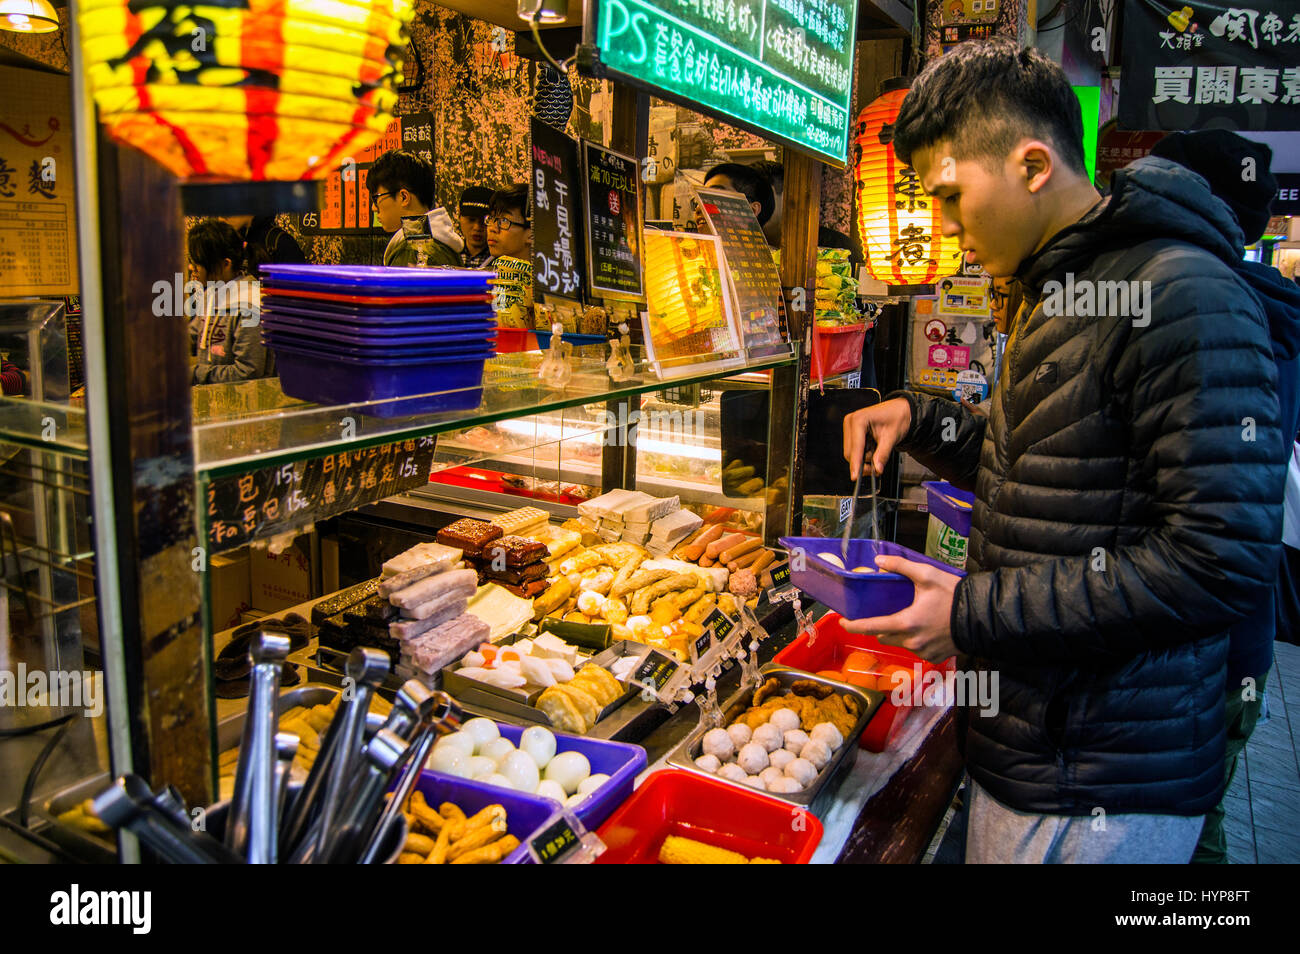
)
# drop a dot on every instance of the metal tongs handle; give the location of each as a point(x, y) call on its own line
point(853, 507)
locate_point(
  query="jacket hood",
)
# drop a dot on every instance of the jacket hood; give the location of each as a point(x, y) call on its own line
point(1280, 299)
point(1151, 198)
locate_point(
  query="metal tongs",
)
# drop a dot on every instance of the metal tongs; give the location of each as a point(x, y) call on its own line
point(853, 508)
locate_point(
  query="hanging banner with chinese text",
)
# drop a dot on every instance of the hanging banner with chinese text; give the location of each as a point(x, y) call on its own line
point(1231, 66)
point(556, 189)
point(271, 500)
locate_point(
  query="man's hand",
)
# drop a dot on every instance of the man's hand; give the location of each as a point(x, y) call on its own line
point(886, 423)
point(925, 626)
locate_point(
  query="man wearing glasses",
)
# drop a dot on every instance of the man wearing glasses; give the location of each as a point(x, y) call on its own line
point(509, 228)
point(401, 193)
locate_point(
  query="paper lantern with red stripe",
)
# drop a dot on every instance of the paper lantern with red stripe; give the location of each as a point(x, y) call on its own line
point(899, 223)
point(248, 89)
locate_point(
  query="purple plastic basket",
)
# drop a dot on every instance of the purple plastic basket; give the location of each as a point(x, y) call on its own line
point(620, 761)
point(855, 595)
point(383, 350)
point(396, 334)
point(956, 517)
point(526, 815)
point(382, 317)
point(377, 279)
point(342, 380)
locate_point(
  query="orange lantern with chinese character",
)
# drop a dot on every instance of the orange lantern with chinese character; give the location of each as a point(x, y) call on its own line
point(245, 89)
point(900, 224)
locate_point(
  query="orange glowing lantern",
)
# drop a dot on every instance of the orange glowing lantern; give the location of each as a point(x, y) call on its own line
point(245, 89)
point(900, 224)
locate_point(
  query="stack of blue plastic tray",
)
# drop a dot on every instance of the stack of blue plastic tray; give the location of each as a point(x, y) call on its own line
point(346, 334)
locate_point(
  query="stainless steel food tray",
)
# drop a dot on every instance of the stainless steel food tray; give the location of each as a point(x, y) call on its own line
point(816, 796)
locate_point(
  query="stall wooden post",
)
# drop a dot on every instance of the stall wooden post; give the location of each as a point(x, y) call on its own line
point(629, 133)
point(787, 437)
point(147, 401)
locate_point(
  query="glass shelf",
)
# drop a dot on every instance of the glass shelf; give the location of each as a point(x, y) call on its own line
point(254, 423)
point(57, 428)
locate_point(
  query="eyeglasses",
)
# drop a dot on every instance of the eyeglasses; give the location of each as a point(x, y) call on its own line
point(374, 199)
point(503, 224)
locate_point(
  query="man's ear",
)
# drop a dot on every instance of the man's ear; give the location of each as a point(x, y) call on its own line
point(758, 209)
point(1035, 163)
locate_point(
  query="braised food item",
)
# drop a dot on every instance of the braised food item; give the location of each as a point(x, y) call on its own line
point(470, 535)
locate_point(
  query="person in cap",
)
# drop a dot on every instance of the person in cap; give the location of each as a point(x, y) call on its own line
point(474, 203)
point(1237, 170)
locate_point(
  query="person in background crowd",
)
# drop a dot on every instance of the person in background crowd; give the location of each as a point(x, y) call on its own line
point(750, 183)
point(1125, 516)
point(827, 237)
point(264, 241)
point(227, 337)
point(1220, 157)
point(401, 192)
point(509, 226)
point(12, 378)
point(474, 203)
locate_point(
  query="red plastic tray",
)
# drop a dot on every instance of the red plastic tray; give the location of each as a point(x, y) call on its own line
point(673, 802)
point(511, 340)
point(394, 300)
point(491, 480)
point(832, 647)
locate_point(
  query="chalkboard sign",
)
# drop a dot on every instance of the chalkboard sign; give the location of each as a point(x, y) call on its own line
point(781, 68)
point(557, 213)
point(720, 624)
point(655, 670)
point(345, 206)
point(270, 500)
point(613, 201)
point(701, 645)
point(752, 279)
point(555, 841)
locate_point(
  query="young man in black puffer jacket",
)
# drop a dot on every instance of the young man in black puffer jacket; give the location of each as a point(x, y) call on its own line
point(1128, 491)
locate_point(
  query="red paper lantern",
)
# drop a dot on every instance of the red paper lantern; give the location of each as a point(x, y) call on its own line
point(899, 223)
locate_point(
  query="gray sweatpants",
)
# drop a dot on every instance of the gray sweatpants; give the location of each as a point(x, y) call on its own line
point(996, 834)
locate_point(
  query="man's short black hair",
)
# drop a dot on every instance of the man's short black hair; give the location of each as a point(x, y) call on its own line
point(984, 97)
point(398, 169)
point(513, 198)
point(774, 171)
point(751, 183)
point(211, 241)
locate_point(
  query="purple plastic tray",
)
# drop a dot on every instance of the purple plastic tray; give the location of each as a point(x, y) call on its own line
point(854, 595)
point(345, 330)
point(378, 278)
point(956, 517)
point(424, 315)
point(326, 351)
point(526, 815)
point(382, 350)
point(342, 380)
point(620, 761)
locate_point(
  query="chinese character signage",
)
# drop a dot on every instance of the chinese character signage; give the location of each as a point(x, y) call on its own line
point(270, 500)
point(1235, 67)
point(613, 204)
point(38, 247)
point(782, 68)
point(557, 214)
point(346, 208)
point(750, 272)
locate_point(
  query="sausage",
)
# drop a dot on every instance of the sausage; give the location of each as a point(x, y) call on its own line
point(740, 549)
point(725, 543)
point(696, 549)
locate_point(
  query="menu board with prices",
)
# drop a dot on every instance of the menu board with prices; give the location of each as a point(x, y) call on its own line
point(752, 278)
point(688, 321)
point(613, 202)
point(72, 329)
point(38, 237)
point(270, 500)
point(556, 189)
point(346, 208)
point(655, 672)
point(781, 68)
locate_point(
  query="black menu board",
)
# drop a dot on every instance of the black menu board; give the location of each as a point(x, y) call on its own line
point(557, 217)
point(612, 189)
point(270, 500)
point(752, 279)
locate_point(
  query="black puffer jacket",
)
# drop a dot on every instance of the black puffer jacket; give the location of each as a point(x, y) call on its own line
point(1127, 511)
